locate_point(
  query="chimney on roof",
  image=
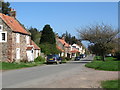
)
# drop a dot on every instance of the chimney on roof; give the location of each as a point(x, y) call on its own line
point(12, 13)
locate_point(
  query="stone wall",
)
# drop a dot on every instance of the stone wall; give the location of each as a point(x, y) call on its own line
point(6, 47)
point(22, 45)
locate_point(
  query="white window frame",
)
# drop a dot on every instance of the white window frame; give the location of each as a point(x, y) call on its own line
point(18, 54)
point(27, 40)
point(17, 38)
point(1, 27)
point(5, 36)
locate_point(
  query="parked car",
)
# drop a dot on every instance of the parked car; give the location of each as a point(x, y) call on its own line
point(77, 58)
point(82, 55)
point(54, 59)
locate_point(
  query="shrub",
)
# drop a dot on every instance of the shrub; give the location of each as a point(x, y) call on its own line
point(39, 59)
point(67, 58)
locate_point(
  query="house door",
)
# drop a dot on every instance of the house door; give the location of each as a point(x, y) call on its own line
point(30, 55)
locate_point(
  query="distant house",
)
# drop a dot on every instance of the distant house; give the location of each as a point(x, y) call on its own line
point(63, 47)
point(77, 49)
point(15, 40)
point(74, 52)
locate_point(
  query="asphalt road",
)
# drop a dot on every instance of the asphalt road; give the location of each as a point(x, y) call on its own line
point(68, 75)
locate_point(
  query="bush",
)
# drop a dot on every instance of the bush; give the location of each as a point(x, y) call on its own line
point(67, 58)
point(117, 55)
point(47, 48)
point(39, 59)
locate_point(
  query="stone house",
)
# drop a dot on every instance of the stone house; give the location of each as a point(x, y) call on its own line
point(15, 40)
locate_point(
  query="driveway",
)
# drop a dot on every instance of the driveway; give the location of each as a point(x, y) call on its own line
point(69, 75)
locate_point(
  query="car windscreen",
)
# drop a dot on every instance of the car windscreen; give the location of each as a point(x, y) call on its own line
point(50, 56)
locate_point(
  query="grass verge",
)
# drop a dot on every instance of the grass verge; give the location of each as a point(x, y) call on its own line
point(109, 65)
point(8, 66)
point(111, 84)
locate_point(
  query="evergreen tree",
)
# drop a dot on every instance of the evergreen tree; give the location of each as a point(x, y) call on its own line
point(5, 8)
point(48, 35)
point(71, 39)
point(48, 41)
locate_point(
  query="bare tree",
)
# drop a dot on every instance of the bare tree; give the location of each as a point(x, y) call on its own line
point(100, 36)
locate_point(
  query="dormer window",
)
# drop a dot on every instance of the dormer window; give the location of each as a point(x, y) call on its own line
point(1, 27)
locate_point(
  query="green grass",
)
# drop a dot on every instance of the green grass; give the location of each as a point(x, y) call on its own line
point(109, 65)
point(64, 61)
point(8, 66)
point(111, 84)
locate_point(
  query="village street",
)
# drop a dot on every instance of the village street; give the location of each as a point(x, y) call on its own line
point(69, 75)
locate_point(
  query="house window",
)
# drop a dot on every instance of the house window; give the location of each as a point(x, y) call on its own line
point(1, 27)
point(27, 40)
point(3, 36)
point(17, 53)
point(17, 38)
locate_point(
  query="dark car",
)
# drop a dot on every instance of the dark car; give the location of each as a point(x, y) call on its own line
point(54, 59)
point(77, 58)
point(82, 55)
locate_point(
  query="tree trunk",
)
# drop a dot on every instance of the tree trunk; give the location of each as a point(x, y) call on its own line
point(103, 57)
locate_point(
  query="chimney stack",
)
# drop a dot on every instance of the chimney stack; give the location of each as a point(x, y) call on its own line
point(13, 13)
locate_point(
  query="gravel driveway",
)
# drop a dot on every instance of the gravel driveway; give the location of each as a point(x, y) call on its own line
point(70, 75)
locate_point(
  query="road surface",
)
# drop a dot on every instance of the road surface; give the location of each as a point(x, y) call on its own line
point(69, 75)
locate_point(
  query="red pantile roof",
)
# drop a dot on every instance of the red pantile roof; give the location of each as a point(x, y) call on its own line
point(13, 24)
point(64, 43)
point(35, 46)
point(74, 50)
point(60, 48)
point(29, 48)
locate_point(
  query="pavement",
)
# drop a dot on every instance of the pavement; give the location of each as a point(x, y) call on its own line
point(72, 74)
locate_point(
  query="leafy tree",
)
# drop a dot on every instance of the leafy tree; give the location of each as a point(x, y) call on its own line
point(5, 8)
point(48, 35)
point(35, 35)
point(100, 36)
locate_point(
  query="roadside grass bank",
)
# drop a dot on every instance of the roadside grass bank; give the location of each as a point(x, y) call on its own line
point(111, 84)
point(8, 66)
point(38, 61)
point(110, 64)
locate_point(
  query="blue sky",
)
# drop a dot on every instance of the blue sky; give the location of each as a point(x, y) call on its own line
point(64, 16)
